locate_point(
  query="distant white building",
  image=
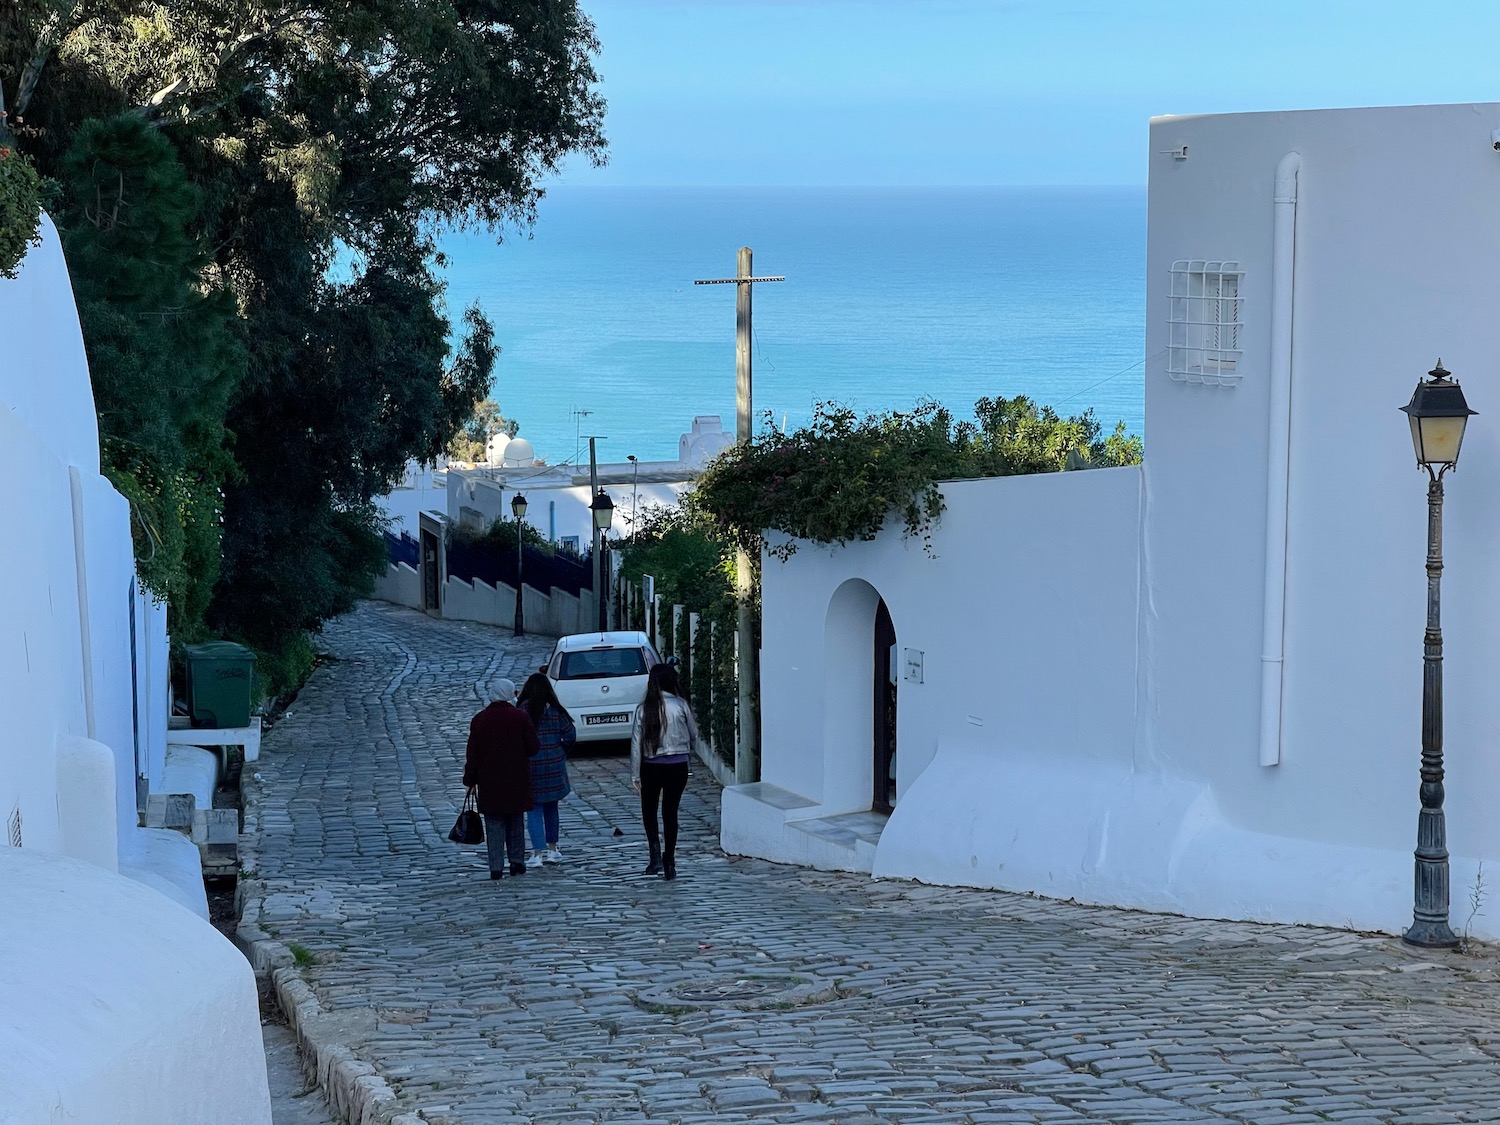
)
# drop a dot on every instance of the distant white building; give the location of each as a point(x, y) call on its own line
point(558, 499)
point(423, 488)
point(1192, 686)
point(121, 1004)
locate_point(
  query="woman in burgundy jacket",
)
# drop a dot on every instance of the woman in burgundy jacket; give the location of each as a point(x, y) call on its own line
point(502, 741)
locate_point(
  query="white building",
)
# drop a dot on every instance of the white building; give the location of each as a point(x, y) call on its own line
point(121, 1003)
point(1192, 686)
point(558, 499)
point(558, 496)
point(424, 488)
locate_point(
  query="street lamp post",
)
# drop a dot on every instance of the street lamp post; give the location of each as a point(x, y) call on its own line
point(604, 514)
point(1438, 414)
point(635, 477)
point(518, 509)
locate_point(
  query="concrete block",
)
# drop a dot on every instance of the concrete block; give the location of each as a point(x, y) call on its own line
point(170, 810)
point(216, 826)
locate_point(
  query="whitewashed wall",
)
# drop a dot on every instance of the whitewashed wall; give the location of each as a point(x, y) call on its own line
point(108, 591)
point(554, 615)
point(1159, 800)
point(400, 584)
point(1032, 589)
point(153, 669)
point(121, 1007)
point(112, 1023)
point(1398, 236)
point(41, 683)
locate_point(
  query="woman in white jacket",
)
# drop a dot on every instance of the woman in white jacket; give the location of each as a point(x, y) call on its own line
point(664, 737)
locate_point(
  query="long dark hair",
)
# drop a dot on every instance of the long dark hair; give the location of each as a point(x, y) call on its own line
point(537, 695)
point(663, 678)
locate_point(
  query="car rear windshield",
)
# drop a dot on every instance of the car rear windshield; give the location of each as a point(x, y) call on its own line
point(599, 663)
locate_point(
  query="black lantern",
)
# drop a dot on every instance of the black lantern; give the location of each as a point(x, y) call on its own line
point(518, 506)
point(604, 511)
point(1438, 414)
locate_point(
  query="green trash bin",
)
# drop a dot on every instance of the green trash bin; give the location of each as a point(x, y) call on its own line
point(219, 674)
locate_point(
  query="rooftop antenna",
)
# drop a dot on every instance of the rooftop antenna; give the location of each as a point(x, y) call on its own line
point(579, 414)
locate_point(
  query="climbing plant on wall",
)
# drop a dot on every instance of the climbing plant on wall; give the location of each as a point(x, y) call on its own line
point(838, 479)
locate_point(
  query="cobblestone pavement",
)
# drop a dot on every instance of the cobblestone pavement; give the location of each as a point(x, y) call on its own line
point(747, 991)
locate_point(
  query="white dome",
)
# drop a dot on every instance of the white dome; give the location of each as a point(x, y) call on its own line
point(518, 453)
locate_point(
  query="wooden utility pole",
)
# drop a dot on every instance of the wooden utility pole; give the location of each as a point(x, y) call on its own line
point(594, 552)
point(745, 654)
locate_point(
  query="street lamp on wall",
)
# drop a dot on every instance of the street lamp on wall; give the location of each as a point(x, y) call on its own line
point(603, 509)
point(518, 509)
point(1438, 414)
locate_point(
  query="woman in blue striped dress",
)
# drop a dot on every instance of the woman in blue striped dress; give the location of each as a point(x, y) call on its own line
point(549, 768)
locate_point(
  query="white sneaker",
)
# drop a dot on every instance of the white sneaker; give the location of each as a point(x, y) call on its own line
point(534, 860)
point(552, 855)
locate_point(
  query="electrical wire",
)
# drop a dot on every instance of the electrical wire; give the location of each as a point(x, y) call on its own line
point(1109, 378)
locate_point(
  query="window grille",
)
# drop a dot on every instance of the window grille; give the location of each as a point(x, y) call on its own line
point(1203, 330)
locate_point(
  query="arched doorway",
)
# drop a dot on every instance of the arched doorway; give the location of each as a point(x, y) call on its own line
point(859, 701)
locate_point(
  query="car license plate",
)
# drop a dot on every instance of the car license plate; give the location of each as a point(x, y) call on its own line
point(597, 720)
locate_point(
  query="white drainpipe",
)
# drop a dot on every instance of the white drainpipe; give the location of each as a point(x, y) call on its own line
point(1283, 296)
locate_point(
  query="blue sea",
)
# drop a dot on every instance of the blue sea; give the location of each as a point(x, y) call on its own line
point(892, 296)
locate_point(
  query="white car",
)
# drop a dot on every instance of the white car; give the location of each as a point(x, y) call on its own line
point(601, 679)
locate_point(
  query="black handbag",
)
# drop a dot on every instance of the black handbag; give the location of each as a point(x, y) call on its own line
point(469, 827)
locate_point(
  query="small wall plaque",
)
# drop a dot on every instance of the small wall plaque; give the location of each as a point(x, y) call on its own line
point(913, 672)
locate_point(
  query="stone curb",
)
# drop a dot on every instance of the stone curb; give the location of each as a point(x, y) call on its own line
point(352, 1087)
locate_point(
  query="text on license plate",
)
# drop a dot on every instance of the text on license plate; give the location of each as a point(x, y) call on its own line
point(617, 717)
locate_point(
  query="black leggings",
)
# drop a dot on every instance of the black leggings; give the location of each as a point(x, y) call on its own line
point(666, 782)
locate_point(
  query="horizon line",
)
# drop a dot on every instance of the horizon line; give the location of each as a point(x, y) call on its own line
point(839, 187)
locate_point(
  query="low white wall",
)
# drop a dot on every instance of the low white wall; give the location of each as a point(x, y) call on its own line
point(1028, 757)
point(169, 862)
point(554, 615)
point(164, 1028)
point(1030, 594)
point(86, 800)
point(401, 585)
point(1112, 834)
point(478, 601)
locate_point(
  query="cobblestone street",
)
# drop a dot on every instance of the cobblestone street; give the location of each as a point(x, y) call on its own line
point(747, 991)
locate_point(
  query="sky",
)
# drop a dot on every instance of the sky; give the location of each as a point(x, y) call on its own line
point(990, 92)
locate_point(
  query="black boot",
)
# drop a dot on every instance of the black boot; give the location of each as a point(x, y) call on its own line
point(669, 867)
point(655, 864)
